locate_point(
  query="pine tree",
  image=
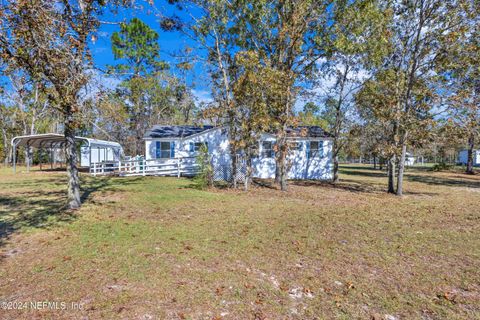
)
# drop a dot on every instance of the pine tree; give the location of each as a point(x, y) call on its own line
point(144, 86)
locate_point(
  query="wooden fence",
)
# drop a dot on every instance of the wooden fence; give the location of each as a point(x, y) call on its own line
point(173, 167)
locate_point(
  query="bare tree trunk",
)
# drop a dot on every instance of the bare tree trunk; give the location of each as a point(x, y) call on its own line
point(283, 158)
point(10, 156)
point(226, 98)
point(374, 162)
point(277, 169)
point(282, 141)
point(248, 176)
point(29, 150)
point(139, 143)
point(401, 168)
point(71, 162)
point(283, 175)
point(26, 149)
point(407, 97)
point(233, 156)
point(6, 145)
point(280, 158)
point(471, 145)
point(336, 146)
point(338, 122)
point(391, 174)
point(335, 169)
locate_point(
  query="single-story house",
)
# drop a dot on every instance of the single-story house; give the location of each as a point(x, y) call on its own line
point(309, 158)
point(463, 157)
point(409, 159)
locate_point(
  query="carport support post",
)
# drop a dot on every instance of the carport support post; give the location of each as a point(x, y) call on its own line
point(41, 152)
point(14, 158)
point(55, 158)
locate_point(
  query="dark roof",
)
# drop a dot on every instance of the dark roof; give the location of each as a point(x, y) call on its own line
point(159, 131)
point(308, 131)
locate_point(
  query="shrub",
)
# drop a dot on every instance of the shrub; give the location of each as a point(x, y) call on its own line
point(204, 177)
point(441, 166)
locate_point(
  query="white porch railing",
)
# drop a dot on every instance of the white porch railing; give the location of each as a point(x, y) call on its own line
point(155, 167)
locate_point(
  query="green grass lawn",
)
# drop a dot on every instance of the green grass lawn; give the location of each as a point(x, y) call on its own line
point(157, 248)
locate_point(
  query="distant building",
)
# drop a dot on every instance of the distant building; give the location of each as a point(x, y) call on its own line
point(409, 159)
point(463, 157)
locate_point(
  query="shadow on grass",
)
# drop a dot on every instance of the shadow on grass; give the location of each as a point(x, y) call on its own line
point(194, 184)
point(358, 167)
point(356, 186)
point(60, 181)
point(370, 173)
point(361, 169)
point(458, 181)
point(197, 184)
point(104, 184)
point(40, 208)
point(265, 183)
point(344, 184)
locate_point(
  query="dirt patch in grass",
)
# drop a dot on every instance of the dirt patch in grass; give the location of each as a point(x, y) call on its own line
point(153, 248)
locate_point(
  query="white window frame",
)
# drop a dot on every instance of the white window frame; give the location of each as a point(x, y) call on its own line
point(163, 152)
point(194, 147)
point(317, 152)
point(297, 146)
point(268, 153)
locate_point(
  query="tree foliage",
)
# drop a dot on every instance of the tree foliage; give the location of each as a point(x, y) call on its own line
point(257, 98)
point(460, 75)
point(48, 40)
point(136, 44)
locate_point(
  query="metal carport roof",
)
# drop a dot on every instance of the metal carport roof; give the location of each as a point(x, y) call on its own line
point(55, 140)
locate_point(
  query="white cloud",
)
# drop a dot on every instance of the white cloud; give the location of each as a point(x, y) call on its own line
point(99, 81)
point(326, 84)
point(202, 96)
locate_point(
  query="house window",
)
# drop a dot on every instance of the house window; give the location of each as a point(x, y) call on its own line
point(196, 146)
point(296, 146)
point(165, 149)
point(267, 149)
point(315, 149)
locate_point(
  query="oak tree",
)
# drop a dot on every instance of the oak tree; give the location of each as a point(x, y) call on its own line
point(49, 40)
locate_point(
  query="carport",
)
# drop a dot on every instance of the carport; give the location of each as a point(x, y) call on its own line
point(91, 150)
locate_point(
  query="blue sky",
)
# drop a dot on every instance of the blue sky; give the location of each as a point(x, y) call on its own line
point(170, 42)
